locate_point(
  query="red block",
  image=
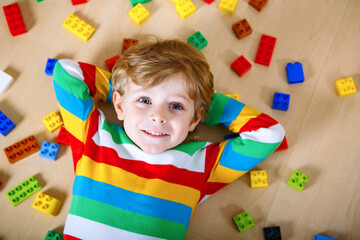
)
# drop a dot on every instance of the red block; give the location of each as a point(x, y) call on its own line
point(127, 42)
point(241, 65)
point(63, 137)
point(111, 62)
point(208, 1)
point(14, 19)
point(265, 50)
point(77, 2)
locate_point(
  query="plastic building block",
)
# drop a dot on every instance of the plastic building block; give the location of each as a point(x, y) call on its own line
point(281, 101)
point(298, 180)
point(63, 137)
point(321, 237)
point(78, 27)
point(127, 43)
point(47, 204)
point(50, 64)
point(5, 81)
point(244, 221)
point(111, 62)
point(242, 28)
point(6, 125)
point(14, 19)
point(265, 50)
point(241, 65)
point(53, 121)
point(49, 150)
point(77, 2)
point(228, 6)
point(208, 1)
point(23, 191)
point(139, 14)
point(185, 8)
point(345, 86)
point(295, 73)
point(21, 149)
point(233, 96)
point(258, 178)
point(134, 2)
point(258, 4)
point(272, 233)
point(53, 236)
point(197, 40)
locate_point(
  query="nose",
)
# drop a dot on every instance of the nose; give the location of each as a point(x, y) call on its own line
point(158, 116)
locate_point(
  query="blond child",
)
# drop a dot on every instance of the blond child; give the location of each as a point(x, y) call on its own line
point(140, 181)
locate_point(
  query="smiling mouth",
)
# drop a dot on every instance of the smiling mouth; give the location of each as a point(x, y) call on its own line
point(155, 134)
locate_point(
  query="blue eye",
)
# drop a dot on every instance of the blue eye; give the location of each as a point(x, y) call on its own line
point(176, 106)
point(144, 100)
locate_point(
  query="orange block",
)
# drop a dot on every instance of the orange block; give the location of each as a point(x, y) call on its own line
point(21, 149)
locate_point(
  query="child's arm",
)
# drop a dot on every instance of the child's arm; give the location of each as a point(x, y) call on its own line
point(259, 136)
point(77, 85)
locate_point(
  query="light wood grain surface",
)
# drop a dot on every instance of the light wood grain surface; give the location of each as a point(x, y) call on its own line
point(323, 130)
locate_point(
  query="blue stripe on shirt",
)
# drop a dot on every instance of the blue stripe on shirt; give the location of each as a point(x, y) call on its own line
point(131, 201)
point(74, 105)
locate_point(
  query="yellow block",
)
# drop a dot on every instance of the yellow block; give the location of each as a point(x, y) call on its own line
point(139, 14)
point(345, 87)
point(53, 121)
point(78, 27)
point(258, 179)
point(228, 5)
point(47, 204)
point(185, 8)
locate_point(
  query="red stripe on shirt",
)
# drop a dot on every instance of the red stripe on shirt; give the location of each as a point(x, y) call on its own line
point(89, 77)
point(68, 237)
point(261, 121)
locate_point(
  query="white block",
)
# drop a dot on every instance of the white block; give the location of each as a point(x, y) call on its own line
point(5, 81)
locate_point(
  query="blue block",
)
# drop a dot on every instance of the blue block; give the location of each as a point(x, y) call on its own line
point(6, 125)
point(49, 150)
point(295, 73)
point(281, 101)
point(321, 237)
point(50, 64)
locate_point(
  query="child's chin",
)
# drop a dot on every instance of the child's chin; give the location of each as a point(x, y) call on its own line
point(153, 149)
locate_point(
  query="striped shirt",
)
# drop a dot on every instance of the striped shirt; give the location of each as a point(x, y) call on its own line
point(121, 192)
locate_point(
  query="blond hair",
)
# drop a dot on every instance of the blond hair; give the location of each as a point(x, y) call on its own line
point(149, 63)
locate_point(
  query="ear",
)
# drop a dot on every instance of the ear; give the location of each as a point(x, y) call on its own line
point(118, 102)
point(195, 121)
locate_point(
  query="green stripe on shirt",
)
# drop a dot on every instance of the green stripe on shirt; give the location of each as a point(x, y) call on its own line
point(141, 224)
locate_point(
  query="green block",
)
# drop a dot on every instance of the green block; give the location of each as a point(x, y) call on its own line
point(197, 40)
point(134, 2)
point(23, 191)
point(53, 236)
point(244, 221)
point(298, 180)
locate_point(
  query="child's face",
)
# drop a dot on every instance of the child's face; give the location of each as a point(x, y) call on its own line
point(157, 118)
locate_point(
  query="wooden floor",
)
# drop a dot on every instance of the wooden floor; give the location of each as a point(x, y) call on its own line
point(323, 130)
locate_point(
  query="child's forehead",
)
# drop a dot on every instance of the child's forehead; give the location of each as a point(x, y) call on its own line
point(174, 84)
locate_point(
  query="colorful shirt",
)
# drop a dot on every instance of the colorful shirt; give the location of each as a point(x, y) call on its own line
point(121, 192)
